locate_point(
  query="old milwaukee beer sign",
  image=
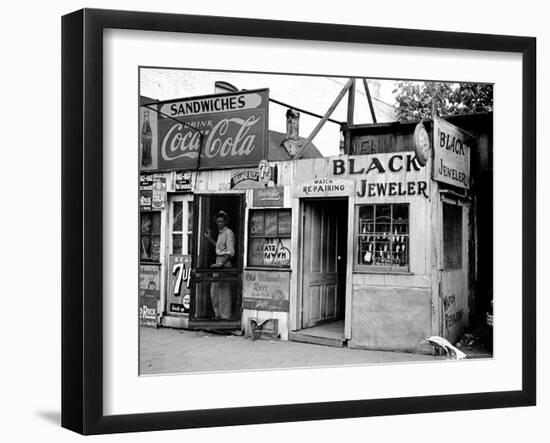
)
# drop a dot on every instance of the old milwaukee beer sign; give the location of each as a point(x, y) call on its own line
point(451, 154)
point(229, 130)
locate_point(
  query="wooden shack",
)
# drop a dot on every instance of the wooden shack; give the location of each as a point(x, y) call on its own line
point(363, 249)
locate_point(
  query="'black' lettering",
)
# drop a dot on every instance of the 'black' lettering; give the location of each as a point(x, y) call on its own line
point(392, 167)
point(338, 167)
point(422, 186)
point(375, 164)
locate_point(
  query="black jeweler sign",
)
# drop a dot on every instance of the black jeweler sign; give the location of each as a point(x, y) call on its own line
point(229, 130)
point(451, 154)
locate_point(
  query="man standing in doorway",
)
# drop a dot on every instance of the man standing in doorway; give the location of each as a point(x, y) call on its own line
point(220, 292)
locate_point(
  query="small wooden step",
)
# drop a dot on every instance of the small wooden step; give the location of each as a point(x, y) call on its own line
point(306, 337)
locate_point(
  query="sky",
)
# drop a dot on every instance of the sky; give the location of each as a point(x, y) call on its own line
point(315, 94)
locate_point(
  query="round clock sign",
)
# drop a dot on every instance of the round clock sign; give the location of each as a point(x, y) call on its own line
point(421, 142)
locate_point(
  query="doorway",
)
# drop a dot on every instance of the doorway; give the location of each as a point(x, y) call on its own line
point(454, 268)
point(216, 300)
point(323, 271)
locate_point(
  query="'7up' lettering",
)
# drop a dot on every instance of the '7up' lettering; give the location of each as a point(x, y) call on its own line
point(182, 274)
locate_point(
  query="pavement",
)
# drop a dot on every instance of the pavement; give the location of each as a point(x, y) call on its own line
point(166, 351)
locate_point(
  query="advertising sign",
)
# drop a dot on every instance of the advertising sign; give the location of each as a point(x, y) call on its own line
point(266, 290)
point(179, 291)
point(268, 197)
point(269, 251)
point(244, 178)
point(229, 130)
point(145, 192)
point(325, 187)
point(451, 154)
point(159, 193)
point(148, 137)
point(376, 177)
point(149, 294)
point(184, 181)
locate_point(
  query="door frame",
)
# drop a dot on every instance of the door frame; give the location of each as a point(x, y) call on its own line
point(296, 321)
point(452, 198)
point(197, 219)
point(171, 196)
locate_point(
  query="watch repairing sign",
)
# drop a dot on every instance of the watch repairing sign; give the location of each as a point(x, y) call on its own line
point(451, 154)
point(228, 130)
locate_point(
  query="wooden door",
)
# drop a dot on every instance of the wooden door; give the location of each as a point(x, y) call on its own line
point(320, 292)
point(454, 267)
point(209, 282)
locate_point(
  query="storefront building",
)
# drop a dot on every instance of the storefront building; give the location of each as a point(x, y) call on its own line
point(372, 249)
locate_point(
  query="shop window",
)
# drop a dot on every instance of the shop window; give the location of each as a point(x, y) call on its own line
point(190, 227)
point(177, 227)
point(269, 237)
point(150, 237)
point(452, 236)
point(181, 226)
point(383, 237)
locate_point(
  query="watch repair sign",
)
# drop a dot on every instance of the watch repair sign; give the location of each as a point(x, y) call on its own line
point(228, 130)
point(451, 154)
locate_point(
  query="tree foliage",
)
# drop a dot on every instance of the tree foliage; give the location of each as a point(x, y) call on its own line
point(414, 99)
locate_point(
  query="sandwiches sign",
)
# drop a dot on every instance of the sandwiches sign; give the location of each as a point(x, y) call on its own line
point(224, 130)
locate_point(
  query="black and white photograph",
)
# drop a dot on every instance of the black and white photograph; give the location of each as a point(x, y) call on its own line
point(275, 221)
point(301, 221)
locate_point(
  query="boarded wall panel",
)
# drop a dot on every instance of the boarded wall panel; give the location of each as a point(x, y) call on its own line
point(391, 318)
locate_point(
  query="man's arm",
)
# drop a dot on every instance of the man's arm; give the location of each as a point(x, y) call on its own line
point(210, 239)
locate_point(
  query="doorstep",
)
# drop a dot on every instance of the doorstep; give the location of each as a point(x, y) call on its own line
point(328, 334)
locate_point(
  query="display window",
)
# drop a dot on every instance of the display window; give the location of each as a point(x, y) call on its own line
point(269, 238)
point(181, 225)
point(149, 250)
point(383, 237)
point(452, 236)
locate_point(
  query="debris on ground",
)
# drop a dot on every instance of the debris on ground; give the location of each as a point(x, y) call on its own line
point(478, 343)
point(441, 343)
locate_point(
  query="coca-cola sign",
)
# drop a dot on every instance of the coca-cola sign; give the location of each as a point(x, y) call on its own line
point(232, 138)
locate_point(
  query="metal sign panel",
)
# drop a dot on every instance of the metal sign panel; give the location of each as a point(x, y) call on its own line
point(179, 287)
point(229, 131)
point(149, 294)
point(451, 154)
point(273, 196)
point(148, 138)
point(266, 290)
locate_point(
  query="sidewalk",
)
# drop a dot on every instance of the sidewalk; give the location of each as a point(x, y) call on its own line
point(165, 351)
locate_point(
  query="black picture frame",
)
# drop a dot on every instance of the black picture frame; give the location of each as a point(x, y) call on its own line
point(82, 232)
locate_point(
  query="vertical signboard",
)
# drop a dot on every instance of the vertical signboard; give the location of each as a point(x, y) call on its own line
point(149, 294)
point(148, 136)
point(451, 154)
point(145, 192)
point(158, 193)
point(179, 288)
point(228, 130)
